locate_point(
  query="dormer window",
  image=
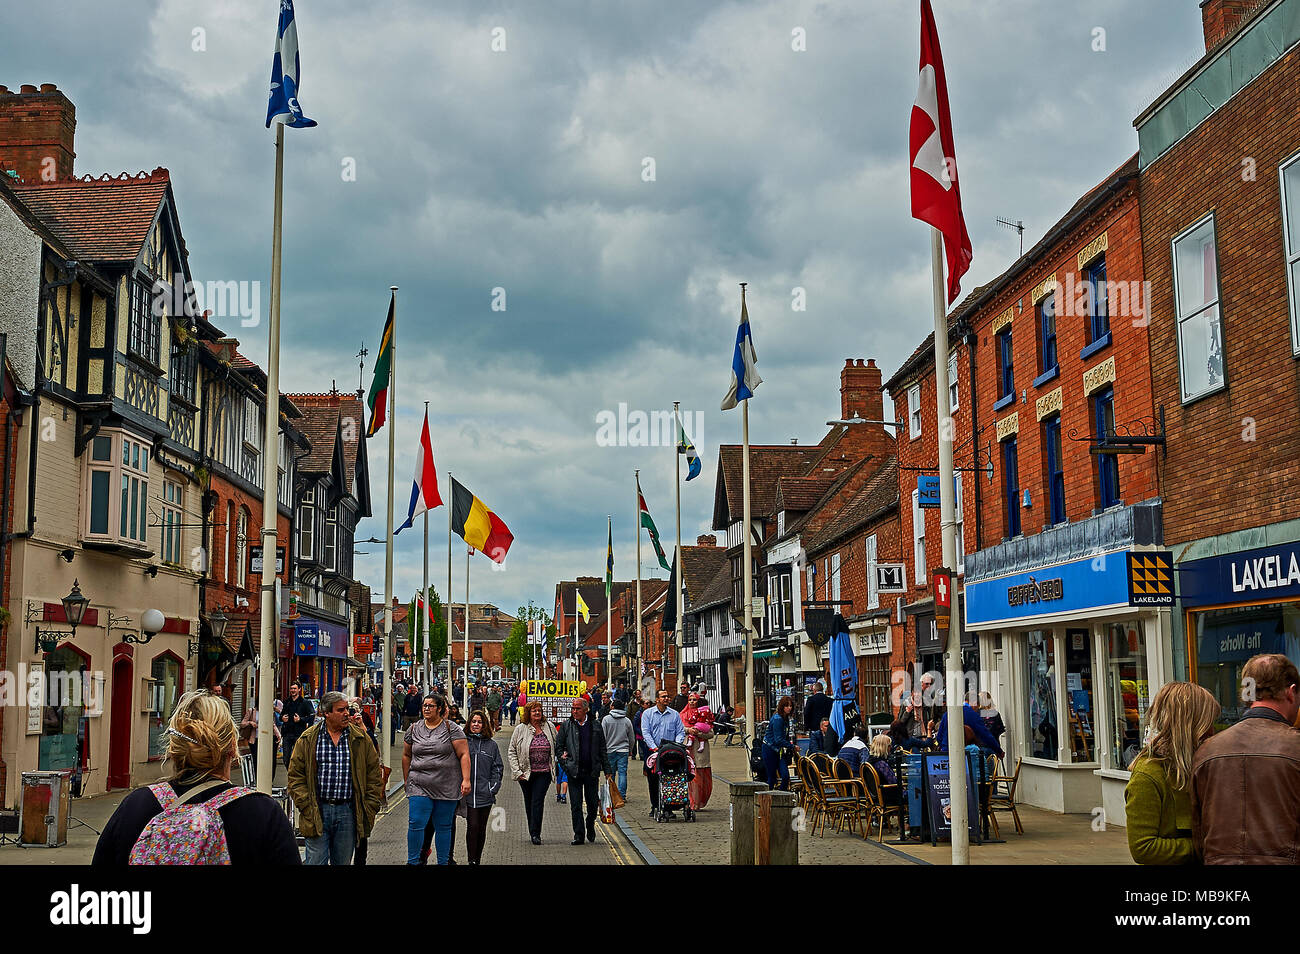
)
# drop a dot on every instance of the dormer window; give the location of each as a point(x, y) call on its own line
point(144, 333)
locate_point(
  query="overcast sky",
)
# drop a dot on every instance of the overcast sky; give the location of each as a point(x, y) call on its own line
point(525, 169)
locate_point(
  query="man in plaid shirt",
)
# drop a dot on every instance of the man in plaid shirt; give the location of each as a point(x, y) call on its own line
point(336, 783)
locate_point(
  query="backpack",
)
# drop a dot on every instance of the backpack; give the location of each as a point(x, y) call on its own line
point(185, 833)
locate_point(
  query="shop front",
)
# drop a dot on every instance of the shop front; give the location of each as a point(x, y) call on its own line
point(1236, 606)
point(321, 649)
point(1076, 651)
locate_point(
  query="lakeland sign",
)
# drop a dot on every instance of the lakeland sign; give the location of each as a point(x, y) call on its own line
point(1266, 573)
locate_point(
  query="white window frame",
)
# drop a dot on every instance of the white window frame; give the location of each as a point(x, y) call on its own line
point(330, 539)
point(1181, 319)
point(918, 538)
point(873, 592)
point(128, 469)
point(307, 524)
point(1292, 257)
point(230, 540)
point(954, 384)
point(835, 576)
point(914, 411)
point(960, 534)
point(172, 519)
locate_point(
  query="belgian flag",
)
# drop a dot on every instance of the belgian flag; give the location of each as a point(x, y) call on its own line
point(477, 525)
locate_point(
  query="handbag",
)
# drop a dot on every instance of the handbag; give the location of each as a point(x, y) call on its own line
point(617, 800)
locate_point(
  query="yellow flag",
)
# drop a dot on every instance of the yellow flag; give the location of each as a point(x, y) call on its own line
point(582, 607)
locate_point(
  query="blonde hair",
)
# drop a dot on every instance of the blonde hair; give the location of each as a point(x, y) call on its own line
point(881, 745)
point(200, 735)
point(1180, 715)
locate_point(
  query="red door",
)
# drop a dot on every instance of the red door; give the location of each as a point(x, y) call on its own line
point(119, 739)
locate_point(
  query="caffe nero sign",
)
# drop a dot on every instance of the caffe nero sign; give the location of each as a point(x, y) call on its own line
point(1035, 591)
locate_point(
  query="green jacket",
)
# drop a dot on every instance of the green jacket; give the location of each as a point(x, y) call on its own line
point(367, 781)
point(1159, 817)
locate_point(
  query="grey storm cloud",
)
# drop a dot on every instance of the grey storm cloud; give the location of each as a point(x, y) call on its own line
point(522, 170)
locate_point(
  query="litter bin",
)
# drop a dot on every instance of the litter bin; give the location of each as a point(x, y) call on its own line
point(44, 818)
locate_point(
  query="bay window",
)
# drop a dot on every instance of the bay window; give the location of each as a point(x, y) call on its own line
point(116, 489)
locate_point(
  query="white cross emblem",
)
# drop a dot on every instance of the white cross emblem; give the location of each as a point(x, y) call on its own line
point(943, 590)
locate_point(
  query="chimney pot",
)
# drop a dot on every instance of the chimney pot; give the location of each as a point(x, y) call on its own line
point(27, 88)
point(49, 88)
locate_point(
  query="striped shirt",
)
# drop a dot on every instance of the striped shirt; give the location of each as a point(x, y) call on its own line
point(333, 767)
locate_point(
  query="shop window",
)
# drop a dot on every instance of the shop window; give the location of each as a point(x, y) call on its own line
point(874, 676)
point(164, 690)
point(1006, 369)
point(1227, 638)
point(1011, 486)
point(63, 714)
point(1098, 305)
point(1200, 331)
point(1040, 660)
point(1078, 696)
point(1128, 690)
point(117, 460)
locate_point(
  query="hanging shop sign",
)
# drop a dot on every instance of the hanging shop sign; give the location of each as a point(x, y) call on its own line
point(1151, 578)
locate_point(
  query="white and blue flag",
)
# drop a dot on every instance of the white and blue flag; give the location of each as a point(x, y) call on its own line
point(283, 103)
point(744, 370)
point(684, 446)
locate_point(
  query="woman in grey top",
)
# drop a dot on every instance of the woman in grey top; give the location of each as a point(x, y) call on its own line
point(435, 767)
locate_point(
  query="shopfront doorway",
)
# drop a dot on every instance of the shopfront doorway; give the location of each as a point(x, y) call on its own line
point(119, 737)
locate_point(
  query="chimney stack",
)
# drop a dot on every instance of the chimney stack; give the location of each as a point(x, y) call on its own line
point(37, 129)
point(706, 540)
point(1220, 18)
point(860, 394)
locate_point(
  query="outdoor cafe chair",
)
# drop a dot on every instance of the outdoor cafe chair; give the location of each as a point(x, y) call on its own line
point(1002, 798)
point(827, 806)
point(823, 763)
point(876, 793)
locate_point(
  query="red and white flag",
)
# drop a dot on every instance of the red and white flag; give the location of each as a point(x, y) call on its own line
point(424, 489)
point(936, 196)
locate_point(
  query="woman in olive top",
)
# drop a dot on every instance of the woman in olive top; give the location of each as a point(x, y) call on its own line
point(1158, 798)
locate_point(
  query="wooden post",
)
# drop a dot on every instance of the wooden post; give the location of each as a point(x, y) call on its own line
point(775, 840)
point(741, 818)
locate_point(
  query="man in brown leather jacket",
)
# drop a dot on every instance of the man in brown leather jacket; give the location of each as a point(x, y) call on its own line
point(1246, 779)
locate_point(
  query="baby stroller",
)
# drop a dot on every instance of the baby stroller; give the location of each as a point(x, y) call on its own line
point(674, 768)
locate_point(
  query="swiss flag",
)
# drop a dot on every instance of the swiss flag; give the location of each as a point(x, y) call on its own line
point(936, 196)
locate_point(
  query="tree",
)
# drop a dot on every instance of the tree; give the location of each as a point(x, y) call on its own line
point(438, 631)
point(515, 652)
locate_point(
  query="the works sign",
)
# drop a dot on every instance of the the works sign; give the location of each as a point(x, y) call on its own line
point(1035, 592)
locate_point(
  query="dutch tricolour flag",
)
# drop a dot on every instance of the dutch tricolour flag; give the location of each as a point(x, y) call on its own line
point(285, 68)
point(744, 361)
point(424, 489)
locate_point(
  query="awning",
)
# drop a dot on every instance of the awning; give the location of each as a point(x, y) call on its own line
point(357, 664)
point(768, 653)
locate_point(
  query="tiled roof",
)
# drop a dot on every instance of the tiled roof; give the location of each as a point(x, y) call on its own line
point(798, 494)
point(767, 465)
point(106, 219)
point(718, 590)
point(875, 496)
point(701, 566)
point(321, 416)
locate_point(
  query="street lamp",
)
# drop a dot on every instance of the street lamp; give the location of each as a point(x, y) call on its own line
point(74, 611)
point(151, 621)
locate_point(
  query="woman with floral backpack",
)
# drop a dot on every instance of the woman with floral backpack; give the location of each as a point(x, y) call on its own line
point(197, 817)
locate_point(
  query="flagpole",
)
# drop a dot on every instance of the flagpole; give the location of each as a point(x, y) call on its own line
point(747, 622)
point(947, 527)
point(424, 619)
point(451, 662)
point(390, 407)
point(609, 613)
point(270, 496)
point(681, 567)
point(468, 553)
point(637, 523)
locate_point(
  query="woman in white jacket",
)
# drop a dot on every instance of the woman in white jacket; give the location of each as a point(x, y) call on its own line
point(531, 755)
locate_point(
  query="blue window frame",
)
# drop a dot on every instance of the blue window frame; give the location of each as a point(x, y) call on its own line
point(1055, 473)
point(1047, 334)
point(1107, 464)
point(1006, 369)
point(1098, 306)
point(1011, 477)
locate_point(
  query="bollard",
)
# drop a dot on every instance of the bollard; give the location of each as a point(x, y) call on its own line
point(741, 820)
point(775, 840)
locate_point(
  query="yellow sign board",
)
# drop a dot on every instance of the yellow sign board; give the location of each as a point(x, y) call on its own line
point(555, 695)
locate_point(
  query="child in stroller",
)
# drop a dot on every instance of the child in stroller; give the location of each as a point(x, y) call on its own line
point(675, 767)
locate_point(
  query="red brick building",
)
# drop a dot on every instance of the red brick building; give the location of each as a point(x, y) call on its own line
point(1049, 382)
point(1220, 197)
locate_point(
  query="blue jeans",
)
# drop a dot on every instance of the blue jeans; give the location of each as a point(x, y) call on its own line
point(442, 812)
point(618, 761)
point(338, 837)
point(775, 766)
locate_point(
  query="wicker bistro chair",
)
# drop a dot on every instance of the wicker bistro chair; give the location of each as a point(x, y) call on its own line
point(1003, 797)
point(876, 794)
point(824, 763)
point(831, 805)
